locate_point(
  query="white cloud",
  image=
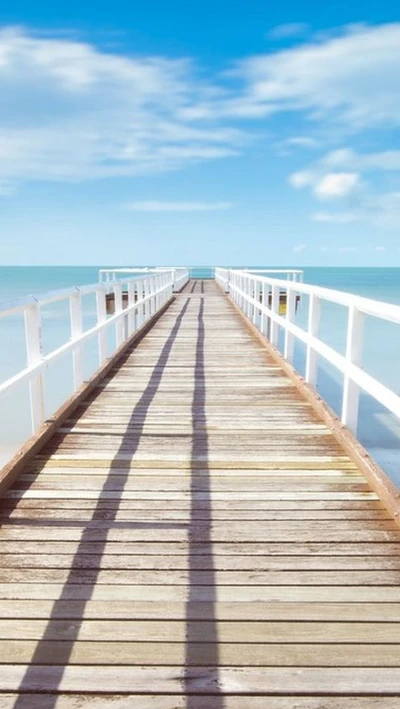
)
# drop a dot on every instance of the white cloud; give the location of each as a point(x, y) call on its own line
point(380, 248)
point(302, 141)
point(154, 206)
point(347, 249)
point(299, 248)
point(380, 210)
point(361, 196)
point(351, 79)
point(387, 160)
point(301, 179)
point(289, 30)
point(336, 184)
point(71, 111)
point(339, 217)
point(289, 145)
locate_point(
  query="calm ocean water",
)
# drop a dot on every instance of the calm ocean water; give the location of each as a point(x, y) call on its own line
point(378, 429)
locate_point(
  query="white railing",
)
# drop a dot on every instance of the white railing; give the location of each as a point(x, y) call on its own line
point(112, 274)
point(222, 275)
point(291, 274)
point(144, 297)
point(180, 274)
point(259, 298)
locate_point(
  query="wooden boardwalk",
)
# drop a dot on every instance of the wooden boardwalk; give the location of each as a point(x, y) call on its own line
point(195, 534)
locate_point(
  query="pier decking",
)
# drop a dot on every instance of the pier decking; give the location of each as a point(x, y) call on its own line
point(193, 534)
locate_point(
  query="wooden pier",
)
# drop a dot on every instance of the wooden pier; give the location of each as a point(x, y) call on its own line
point(195, 536)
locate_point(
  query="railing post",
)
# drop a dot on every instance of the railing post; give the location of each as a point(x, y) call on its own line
point(275, 311)
point(139, 308)
point(146, 303)
point(264, 303)
point(101, 318)
point(75, 309)
point(33, 340)
point(153, 285)
point(290, 314)
point(131, 303)
point(248, 294)
point(313, 325)
point(354, 350)
point(256, 311)
point(149, 293)
point(157, 281)
point(119, 324)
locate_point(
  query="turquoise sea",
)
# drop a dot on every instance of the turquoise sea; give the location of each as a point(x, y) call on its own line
point(378, 430)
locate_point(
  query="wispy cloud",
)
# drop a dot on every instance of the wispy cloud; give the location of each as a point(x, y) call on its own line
point(154, 206)
point(338, 218)
point(381, 210)
point(348, 159)
point(331, 185)
point(336, 184)
point(361, 91)
point(289, 30)
point(76, 112)
point(301, 142)
point(299, 248)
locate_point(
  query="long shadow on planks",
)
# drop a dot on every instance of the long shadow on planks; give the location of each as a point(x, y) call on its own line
point(34, 676)
point(209, 679)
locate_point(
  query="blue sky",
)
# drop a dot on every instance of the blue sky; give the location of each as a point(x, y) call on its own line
point(216, 132)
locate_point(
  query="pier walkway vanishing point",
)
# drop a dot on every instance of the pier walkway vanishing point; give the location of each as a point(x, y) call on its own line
point(194, 536)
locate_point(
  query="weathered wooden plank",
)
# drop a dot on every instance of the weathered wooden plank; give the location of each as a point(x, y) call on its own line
point(201, 577)
point(164, 680)
point(185, 484)
point(328, 475)
point(174, 610)
point(201, 631)
point(200, 594)
point(202, 515)
point(198, 562)
point(254, 504)
point(181, 496)
point(125, 460)
point(243, 654)
point(315, 531)
point(180, 701)
point(194, 548)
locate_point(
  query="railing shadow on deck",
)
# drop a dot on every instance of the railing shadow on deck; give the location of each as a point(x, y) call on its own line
point(198, 513)
point(198, 528)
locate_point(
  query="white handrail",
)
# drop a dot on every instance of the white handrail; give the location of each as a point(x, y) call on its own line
point(146, 295)
point(222, 275)
point(181, 274)
point(259, 298)
point(292, 274)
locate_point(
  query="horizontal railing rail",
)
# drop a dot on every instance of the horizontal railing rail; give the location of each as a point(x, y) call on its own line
point(180, 276)
point(291, 274)
point(259, 299)
point(135, 300)
point(222, 275)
